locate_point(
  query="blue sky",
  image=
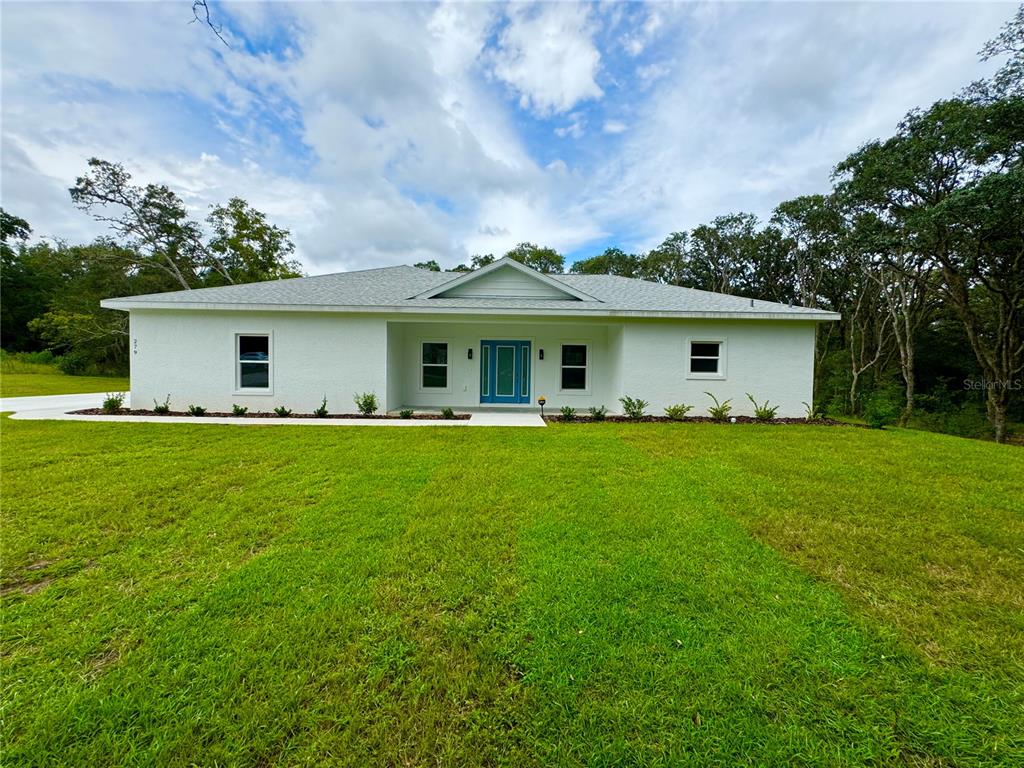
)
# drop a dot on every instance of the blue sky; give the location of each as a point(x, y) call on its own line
point(396, 132)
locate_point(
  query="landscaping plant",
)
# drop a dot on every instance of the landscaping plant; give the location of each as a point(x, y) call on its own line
point(238, 410)
point(634, 408)
point(678, 412)
point(597, 413)
point(196, 410)
point(447, 413)
point(113, 402)
point(366, 403)
point(405, 413)
point(719, 411)
point(763, 412)
point(568, 413)
point(283, 412)
point(321, 412)
point(163, 408)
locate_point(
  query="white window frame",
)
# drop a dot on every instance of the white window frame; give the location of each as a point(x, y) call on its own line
point(586, 368)
point(722, 346)
point(239, 389)
point(419, 367)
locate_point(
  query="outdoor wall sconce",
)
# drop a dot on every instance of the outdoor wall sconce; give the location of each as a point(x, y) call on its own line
point(540, 401)
point(469, 356)
point(542, 354)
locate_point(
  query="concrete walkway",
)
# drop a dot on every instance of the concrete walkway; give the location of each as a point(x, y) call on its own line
point(57, 407)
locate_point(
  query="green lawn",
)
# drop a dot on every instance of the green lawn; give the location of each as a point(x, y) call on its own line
point(22, 379)
point(583, 594)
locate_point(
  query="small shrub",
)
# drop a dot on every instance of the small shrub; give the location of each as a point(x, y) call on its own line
point(405, 413)
point(283, 412)
point(163, 408)
point(74, 363)
point(113, 402)
point(321, 412)
point(881, 410)
point(196, 410)
point(634, 408)
point(678, 412)
point(238, 410)
point(366, 403)
point(809, 413)
point(598, 413)
point(568, 413)
point(763, 412)
point(447, 413)
point(719, 411)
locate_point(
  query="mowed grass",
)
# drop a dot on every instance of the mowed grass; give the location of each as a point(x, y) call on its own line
point(584, 594)
point(21, 379)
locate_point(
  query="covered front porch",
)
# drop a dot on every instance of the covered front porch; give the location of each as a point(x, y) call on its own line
point(488, 365)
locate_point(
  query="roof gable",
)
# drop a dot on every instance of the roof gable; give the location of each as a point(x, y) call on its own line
point(505, 279)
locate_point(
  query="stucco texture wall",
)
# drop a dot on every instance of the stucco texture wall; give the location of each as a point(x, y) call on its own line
point(191, 357)
point(770, 360)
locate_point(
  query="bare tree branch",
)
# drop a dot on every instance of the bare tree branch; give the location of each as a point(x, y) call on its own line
point(201, 13)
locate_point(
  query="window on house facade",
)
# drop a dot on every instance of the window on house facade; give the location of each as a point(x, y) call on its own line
point(253, 355)
point(706, 358)
point(574, 366)
point(434, 365)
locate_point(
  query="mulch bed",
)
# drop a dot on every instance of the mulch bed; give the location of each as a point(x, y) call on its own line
point(265, 415)
point(820, 422)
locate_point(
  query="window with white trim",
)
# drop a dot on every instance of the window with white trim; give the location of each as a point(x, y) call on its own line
point(706, 358)
point(252, 352)
point(574, 367)
point(434, 365)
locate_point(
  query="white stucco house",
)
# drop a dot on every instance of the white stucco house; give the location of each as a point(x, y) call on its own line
point(499, 337)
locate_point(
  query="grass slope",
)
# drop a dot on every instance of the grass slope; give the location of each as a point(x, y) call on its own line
point(21, 379)
point(603, 594)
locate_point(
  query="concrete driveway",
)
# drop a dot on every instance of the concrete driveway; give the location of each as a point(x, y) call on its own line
point(55, 404)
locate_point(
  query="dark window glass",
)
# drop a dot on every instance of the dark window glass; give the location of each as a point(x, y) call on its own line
point(574, 378)
point(704, 349)
point(254, 348)
point(255, 375)
point(485, 371)
point(574, 354)
point(435, 353)
point(704, 365)
point(435, 376)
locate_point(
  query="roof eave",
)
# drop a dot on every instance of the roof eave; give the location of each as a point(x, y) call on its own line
point(590, 311)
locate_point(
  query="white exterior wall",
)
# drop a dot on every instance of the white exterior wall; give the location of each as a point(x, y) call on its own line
point(770, 360)
point(464, 374)
point(190, 355)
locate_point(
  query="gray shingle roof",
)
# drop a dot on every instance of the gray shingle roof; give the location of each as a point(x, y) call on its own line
point(392, 289)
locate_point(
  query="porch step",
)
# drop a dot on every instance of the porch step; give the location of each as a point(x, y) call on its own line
point(506, 419)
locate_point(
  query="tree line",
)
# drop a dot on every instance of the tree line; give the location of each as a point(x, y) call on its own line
point(50, 291)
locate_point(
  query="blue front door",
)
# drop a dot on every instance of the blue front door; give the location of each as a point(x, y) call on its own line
point(504, 372)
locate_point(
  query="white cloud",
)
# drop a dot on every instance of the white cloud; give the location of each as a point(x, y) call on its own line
point(574, 128)
point(637, 40)
point(383, 133)
point(547, 54)
point(764, 100)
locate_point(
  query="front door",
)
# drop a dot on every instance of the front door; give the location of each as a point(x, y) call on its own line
point(504, 372)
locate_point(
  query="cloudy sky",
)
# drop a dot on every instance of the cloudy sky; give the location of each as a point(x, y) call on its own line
point(390, 132)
